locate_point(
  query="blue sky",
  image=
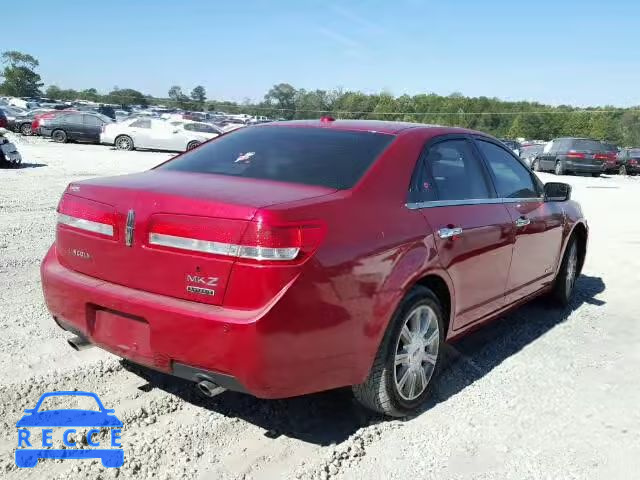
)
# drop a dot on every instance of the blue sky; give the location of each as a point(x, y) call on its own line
point(563, 51)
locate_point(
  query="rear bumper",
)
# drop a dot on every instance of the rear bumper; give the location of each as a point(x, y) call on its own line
point(44, 131)
point(582, 167)
point(265, 353)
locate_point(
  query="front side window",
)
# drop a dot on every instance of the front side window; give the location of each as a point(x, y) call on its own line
point(513, 180)
point(451, 171)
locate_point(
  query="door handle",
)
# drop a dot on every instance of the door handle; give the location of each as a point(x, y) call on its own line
point(449, 232)
point(522, 222)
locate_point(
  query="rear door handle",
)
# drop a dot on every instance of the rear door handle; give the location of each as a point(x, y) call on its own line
point(522, 222)
point(449, 232)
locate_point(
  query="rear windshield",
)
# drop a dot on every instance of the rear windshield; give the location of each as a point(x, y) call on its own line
point(311, 156)
point(634, 152)
point(588, 145)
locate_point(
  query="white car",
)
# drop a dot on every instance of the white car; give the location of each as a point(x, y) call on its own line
point(156, 134)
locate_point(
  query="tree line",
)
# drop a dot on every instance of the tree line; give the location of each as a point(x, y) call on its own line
point(529, 120)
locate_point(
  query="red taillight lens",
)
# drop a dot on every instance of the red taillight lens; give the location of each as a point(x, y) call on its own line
point(248, 241)
point(633, 161)
point(87, 215)
point(575, 155)
point(603, 156)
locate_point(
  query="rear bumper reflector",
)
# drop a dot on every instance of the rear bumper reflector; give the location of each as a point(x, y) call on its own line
point(88, 225)
point(226, 249)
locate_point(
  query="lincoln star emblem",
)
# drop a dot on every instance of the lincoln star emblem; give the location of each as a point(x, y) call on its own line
point(128, 234)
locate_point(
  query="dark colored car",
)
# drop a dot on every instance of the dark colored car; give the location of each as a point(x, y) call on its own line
point(295, 257)
point(529, 152)
point(611, 160)
point(107, 111)
point(4, 123)
point(629, 161)
point(512, 144)
point(23, 123)
point(77, 126)
point(572, 155)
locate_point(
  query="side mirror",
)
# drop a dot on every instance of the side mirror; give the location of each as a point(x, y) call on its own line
point(557, 192)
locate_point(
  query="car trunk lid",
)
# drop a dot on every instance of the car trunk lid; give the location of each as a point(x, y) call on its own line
point(171, 233)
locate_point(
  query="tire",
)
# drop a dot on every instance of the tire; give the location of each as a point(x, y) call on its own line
point(564, 284)
point(597, 174)
point(559, 170)
point(193, 144)
point(381, 391)
point(123, 142)
point(25, 129)
point(535, 166)
point(59, 136)
point(622, 170)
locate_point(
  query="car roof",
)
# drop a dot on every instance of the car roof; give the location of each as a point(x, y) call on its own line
point(378, 126)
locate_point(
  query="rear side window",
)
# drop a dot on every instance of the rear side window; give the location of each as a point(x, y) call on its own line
point(141, 123)
point(311, 156)
point(513, 179)
point(451, 171)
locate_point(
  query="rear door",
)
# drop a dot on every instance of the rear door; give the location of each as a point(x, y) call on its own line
point(73, 125)
point(538, 225)
point(472, 229)
point(92, 128)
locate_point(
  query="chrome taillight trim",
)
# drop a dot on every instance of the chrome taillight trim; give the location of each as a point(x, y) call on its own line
point(225, 249)
point(84, 224)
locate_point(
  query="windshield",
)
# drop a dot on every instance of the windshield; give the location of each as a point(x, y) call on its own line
point(634, 152)
point(312, 156)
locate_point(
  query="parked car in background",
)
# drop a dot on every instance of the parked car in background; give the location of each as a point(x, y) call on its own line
point(529, 152)
point(229, 252)
point(75, 126)
point(629, 161)
point(572, 155)
point(107, 111)
point(151, 133)
point(11, 113)
point(611, 160)
point(513, 145)
point(22, 124)
point(4, 122)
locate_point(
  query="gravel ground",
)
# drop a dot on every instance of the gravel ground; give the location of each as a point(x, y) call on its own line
point(543, 393)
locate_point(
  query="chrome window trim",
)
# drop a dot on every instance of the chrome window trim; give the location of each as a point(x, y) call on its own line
point(470, 201)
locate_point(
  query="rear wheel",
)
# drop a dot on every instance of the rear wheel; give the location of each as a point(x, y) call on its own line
point(124, 142)
point(59, 136)
point(536, 166)
point(192, 145)
point(566, 278)
point(25, 129)
point(622, 170)
point(559, 170)
point(408, 359)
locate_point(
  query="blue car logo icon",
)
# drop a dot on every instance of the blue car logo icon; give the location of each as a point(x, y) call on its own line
point(38, 421)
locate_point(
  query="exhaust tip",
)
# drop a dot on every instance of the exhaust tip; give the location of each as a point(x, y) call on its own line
point(209, 389)
point(79, 343)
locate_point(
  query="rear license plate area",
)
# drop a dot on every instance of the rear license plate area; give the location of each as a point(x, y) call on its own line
point(122, 334)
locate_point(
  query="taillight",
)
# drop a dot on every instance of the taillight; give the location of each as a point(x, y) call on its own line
point(87, 216)
point(602, 156)
point(633, 161)
point(249, 241)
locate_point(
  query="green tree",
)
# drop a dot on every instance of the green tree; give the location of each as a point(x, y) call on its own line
point(282, 98)
point(126, 96)
point(20, 78)
point(199, 95)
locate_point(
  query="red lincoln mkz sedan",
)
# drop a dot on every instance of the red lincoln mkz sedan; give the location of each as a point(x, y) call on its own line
point(295, 257)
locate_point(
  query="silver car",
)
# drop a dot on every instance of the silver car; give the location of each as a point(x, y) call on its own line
point(155, 134)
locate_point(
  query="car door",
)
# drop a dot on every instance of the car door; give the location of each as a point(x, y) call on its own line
point(92, 128)
point(473, 231)
point(73, 126)
point(538, 224)
point(139, 130)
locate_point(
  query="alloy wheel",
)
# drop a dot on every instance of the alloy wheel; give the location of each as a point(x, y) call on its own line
point(416, 352)
point(124, 143)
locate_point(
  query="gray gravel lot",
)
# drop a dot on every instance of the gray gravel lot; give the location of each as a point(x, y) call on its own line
point(543, 393)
